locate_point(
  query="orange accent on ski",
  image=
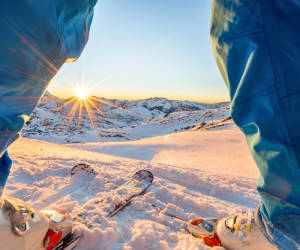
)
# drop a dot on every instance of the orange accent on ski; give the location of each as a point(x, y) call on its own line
point(197, 221)
point(212, 241)
point(64, 214)
point(51, 239)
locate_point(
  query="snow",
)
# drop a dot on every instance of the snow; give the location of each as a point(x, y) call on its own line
point(198, 173)
point(189, 150)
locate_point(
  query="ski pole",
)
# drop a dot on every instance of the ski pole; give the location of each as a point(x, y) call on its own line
point(168, 213)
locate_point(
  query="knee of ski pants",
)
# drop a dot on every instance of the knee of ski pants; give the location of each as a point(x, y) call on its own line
point(35, 40)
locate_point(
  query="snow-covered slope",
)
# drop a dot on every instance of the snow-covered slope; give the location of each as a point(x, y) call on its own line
point(189, 150)
point(205, 172)
point(115, 120)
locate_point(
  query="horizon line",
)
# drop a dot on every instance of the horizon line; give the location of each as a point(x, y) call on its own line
point(203, 101)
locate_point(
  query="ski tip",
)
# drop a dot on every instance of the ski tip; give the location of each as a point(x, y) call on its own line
point(144, 174)
point(82, 168)
point(205, 228)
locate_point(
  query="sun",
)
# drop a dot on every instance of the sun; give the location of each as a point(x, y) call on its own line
point(82, 93)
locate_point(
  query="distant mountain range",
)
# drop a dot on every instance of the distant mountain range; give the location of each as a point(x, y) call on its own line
point(61, 121)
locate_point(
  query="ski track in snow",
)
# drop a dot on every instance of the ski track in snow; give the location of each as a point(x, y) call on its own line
point(41, 176)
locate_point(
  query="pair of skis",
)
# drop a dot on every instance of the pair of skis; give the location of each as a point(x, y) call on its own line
point(138, 185)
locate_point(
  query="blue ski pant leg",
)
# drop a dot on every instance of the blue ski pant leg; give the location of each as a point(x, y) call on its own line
point(36, 38)
point(257, 49)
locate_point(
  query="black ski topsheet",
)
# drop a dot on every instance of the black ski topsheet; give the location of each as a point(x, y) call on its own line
point(138, 184)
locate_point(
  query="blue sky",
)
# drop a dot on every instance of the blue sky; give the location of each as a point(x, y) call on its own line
point(146, 48)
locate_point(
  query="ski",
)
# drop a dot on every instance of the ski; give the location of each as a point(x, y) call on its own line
point(138, 185)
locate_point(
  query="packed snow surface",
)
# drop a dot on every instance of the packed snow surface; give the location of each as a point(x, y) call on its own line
point(198, 173)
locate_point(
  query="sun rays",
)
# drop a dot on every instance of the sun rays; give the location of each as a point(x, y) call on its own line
point(85, 105)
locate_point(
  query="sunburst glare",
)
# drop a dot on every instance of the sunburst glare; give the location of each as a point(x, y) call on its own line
point(85, 103)
point(82, 93)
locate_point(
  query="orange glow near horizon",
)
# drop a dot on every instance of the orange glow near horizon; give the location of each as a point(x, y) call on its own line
point(93, 88)
point(201, 99)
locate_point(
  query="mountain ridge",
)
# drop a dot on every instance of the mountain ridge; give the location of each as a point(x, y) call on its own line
point(60, 120)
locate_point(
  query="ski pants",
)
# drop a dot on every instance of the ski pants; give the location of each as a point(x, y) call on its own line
point(256, 44)
point(36, 38)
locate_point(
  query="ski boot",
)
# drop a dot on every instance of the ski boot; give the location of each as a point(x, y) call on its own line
point(25, 228)
point(21, 227)
point(233, 233)
point(242, 232)
point(60, 234)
